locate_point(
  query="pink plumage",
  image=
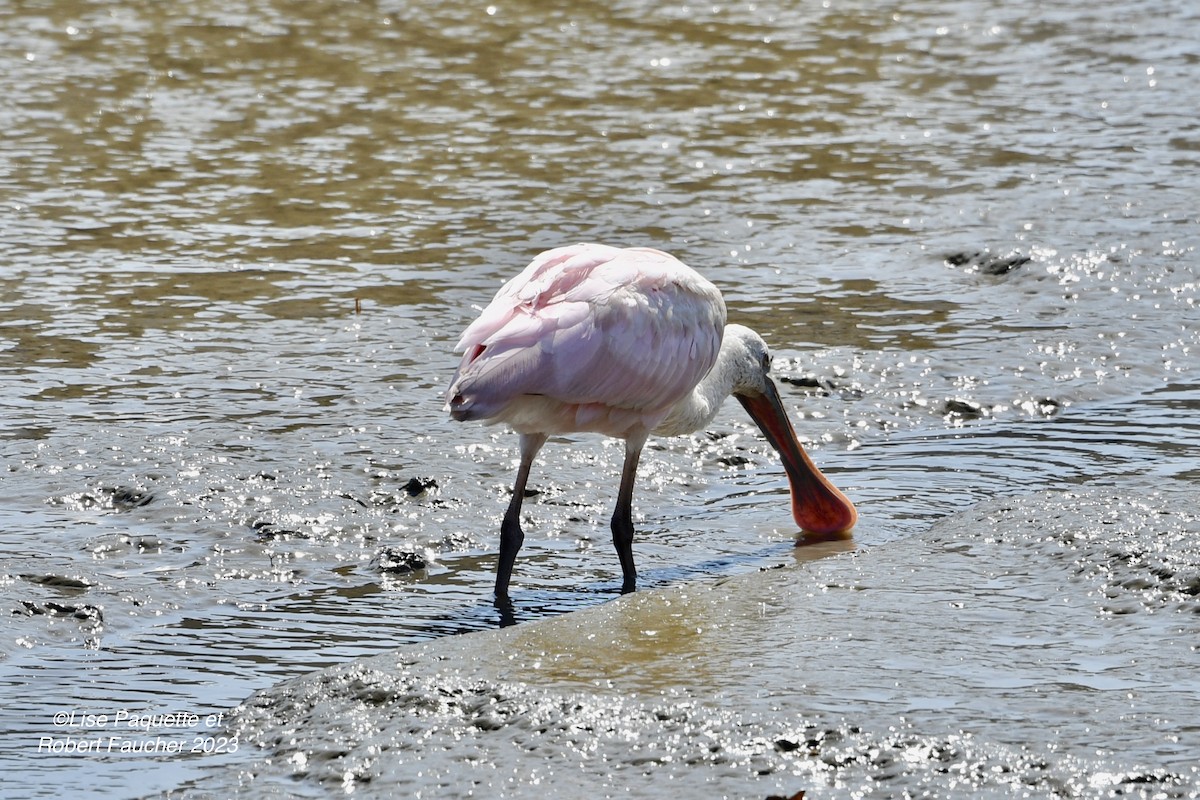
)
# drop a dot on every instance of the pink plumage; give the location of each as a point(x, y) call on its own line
point(589, 338)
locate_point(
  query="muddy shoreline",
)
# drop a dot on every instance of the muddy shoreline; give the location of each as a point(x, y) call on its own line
point(934, 664)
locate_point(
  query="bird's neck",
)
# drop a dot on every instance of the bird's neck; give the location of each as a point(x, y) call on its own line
point(699, 408)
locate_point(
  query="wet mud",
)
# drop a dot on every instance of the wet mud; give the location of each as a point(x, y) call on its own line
point(934, 665)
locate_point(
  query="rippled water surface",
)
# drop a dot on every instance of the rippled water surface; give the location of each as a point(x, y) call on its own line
point(238, 242)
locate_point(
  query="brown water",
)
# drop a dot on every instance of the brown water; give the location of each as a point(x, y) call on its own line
point(237, 244)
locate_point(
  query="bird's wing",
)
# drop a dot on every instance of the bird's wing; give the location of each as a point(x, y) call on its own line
point(588, 324)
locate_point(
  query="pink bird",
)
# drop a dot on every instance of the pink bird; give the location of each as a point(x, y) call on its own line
point(624, 342)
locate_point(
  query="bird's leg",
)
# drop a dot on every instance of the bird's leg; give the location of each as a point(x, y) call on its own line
point(511, 535)
point(622, 520)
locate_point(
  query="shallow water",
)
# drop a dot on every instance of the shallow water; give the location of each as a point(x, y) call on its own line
point(236, 247)
point(1041, 664)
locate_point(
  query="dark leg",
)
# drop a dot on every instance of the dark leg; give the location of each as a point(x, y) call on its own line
point(511, 535)
point(622, 520)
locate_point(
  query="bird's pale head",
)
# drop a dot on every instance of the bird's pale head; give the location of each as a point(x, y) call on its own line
point(752, 357)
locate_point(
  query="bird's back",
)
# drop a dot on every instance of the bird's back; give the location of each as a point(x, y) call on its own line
point(589, 338)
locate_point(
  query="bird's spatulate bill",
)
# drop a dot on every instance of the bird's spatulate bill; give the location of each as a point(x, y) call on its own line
point(817, 505)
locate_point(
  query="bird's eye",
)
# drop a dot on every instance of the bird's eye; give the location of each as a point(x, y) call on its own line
point(766, 362)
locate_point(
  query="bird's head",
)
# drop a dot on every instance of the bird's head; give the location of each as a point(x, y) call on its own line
point(753, 360)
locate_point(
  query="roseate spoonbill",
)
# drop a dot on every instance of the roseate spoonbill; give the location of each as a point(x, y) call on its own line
point(623, 342)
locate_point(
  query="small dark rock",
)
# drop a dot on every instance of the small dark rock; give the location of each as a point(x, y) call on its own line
point(106, 498)
point(964, 408)
point(809, 382)
point(125, 499)
point(1003, 266)
point(1048, 406)
point(57, 581)
point(269, 531)
point(79, 612)
point(398, 562)
point(987, 263)
point(418, 486)
point(82, 612)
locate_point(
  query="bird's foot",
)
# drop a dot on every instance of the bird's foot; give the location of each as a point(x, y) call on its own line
point(504, 605)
